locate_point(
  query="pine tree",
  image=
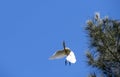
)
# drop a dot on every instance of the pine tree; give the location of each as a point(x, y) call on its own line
point(104, 52)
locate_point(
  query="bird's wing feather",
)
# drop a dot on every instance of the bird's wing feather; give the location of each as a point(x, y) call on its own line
point(71, 57)
point(58, 55)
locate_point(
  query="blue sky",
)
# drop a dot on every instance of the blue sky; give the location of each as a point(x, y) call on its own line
point(32, 30)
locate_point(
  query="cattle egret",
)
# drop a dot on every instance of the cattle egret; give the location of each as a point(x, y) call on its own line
point(66, 52)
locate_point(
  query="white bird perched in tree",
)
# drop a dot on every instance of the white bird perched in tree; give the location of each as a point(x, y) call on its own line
point(97, 16)
point(70, 57)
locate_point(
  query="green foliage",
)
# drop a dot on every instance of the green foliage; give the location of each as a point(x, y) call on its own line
point(104, 37)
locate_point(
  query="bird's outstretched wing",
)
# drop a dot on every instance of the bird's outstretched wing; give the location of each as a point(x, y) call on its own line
point(58, 55)
point(71, 57)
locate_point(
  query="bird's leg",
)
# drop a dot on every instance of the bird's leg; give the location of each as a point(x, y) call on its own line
point(69, 63)
point(65, 62)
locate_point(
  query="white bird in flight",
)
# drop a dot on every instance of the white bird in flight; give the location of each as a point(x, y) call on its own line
point(66, 52)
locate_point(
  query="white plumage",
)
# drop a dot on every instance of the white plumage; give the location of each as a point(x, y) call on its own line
point(71, 57)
